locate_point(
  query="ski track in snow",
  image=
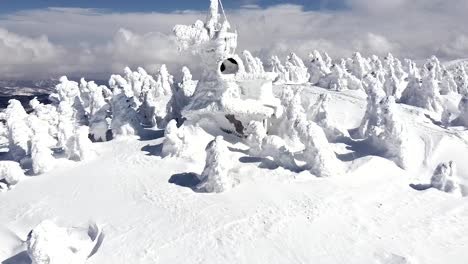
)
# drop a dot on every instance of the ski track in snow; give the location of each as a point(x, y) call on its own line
point(369, 215)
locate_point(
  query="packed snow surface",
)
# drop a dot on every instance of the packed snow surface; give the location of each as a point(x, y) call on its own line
point(151, 211)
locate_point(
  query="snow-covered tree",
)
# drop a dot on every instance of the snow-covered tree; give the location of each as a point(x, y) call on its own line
point(447, 84)
point(278, 68)
point(375, 94)
point(391, 137)
point(41, 144)
point(125, 121)
point(461, 79)
point(10, 172)
point(252, 64)
point(160, 103)
point(360, 66)
point(339, 80)
point(215, 176)
point(98, 112)
point(298, 72)
point(377, 68)
point(318, 154)
point(326, 58)
point(445, 178)
point(319, 113)
point(433, 64)
point(426, 95)
point(69, 92)
point(263, 145)
point(318, 68)
point(463, 108)
point(174, 141)
point(19, 133)
point(48, 114)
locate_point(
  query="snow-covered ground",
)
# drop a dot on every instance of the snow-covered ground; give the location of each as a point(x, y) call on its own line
point(374, 213)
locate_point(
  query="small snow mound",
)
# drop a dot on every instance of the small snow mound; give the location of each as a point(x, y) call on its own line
point(11, 172)
point(445, 178)
point(215, 177)
point(48, 243)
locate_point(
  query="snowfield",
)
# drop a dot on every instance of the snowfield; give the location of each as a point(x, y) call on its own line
point(374, 213)
point(352, 160)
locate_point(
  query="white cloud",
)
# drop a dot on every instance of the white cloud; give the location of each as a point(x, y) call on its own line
point(96, 43)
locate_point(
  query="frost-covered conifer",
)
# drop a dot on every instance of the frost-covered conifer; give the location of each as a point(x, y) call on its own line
point(19, 133)
point(318, 69)
point(375, 94)
point(263, 145)
point(433, 64)
point(463, 108)
point(41, 144)
point(318, 113)
point(328, 61)
point(461, 78)
point(48, 114)
point(298, 72)
point(359, 67)
point(445, 178)
point(392, 85)
point(252, 64)
point(125, 120)
point(11, 172)
point(160, 103)
point(278, 68)
point(377, 68)
point(425, 95)
point(98, 112)
point(391, 137)
point(318, 155)
point(447, 84)
point(215, 176)
point(174, 141)
point(69, 92)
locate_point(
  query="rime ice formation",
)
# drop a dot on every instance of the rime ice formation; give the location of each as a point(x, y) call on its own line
point(391, 137)
point(125, 119)
point(19, 133)
point(318, 155)
point(318, 113)
point(10, 172)
point(98, 112)
point(41, 144)
point(48, 243)
point(174, 141)
point(375, 94)
point(445, 178)
point(215, 176)
point(280, 70)
point(298, 72)
point(463, 108)
point(318, 68)
point(339, 79)
point(263, 145)
point(227, 93)
point(186, 89)
point(426, 94)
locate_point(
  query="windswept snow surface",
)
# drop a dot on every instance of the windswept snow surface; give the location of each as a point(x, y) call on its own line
point(150, 213)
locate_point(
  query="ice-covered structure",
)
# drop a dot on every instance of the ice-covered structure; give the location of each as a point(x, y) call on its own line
point(125, 119)
point(10, 172)
point(445, 178)
point(215, 176)
point(375, 94)
point(227, 93)
point(41, 144)
point(48, 243)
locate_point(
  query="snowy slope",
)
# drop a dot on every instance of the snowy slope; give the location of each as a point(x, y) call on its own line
point(369, 215)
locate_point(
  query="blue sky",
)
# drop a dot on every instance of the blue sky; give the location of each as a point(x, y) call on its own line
point(7, 6)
